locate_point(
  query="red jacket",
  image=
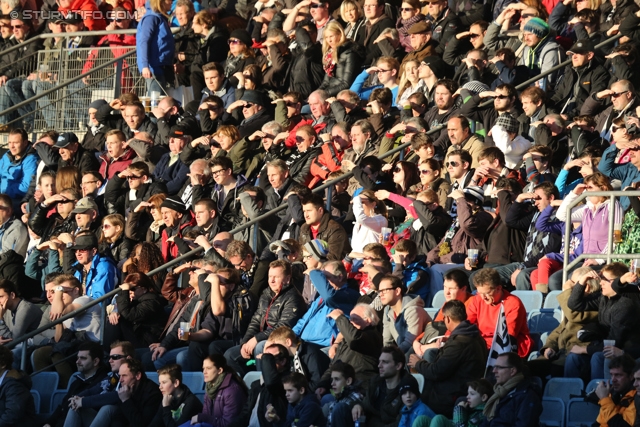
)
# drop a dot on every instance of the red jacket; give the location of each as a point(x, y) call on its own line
point(90, 14)
point(328, 161)
point(290, 142)
point(486, 316)
point(170, 249)
point(109, 167)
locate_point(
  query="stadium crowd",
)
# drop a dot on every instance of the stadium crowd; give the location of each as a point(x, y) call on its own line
point(326, 298)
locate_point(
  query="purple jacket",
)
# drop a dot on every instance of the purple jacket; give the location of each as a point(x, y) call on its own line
point(228, 404)
point(545, 223)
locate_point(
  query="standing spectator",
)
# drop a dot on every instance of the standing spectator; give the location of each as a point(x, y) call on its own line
point(341, 59)
point(213, 46)
point(156, 47)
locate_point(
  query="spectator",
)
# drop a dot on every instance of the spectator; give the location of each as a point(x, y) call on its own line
point(340, 61)
point(404, 315)
point(413, 406)
point(179, 405)
point(458, 361)
point(615, 400)
point(118, 156)
point(444, 21)
point(170, 170)
point(411, 268)
point(126, 190)
point(131, 121)
point(67, 151)
point(319, 225)
point(19, 317)
point(16, 402)
point(113, 241)
point(371, 217)
point(458, 166)
point(14, 232)
point(213, 46)
point(156, 47)
point(177, 220)
point(469, 412)
point(541, 52)
point(382, 402)
point(303, 409)
point(622, 96)
point(17, 167)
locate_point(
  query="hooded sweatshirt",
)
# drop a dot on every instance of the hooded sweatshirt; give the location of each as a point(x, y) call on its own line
point(404, 328)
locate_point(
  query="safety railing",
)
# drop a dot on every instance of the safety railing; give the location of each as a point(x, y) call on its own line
point(254, 222)
point(611, 195)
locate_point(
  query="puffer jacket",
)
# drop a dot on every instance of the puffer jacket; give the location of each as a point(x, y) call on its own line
point(101, 278)
point(282, 309)
point(349, 60)
point(16, 403)
point(332, 233)
point(402, 329)
point(146, 314)
point(15, 175)
point(576, 85)
point(305, 70)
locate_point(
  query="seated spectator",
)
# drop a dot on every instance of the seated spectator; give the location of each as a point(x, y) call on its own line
point(145, 222)
point(319, 225)
point(132, 120)
point(363, 140)
point(483, 309)
point(91, 371)
point(68, 297)
point(561, 341)
point(332, 153)
point(523, 404)
point(138, 314)
point(404, 315)
point(458, 361)
point(597, 105)
point(627, 173)
point(344, 395)
point(127, 189)
point(15, 237)
point(303, 408)
point(16, 402)
point(541, 52)
point(179, 405)
point(307, 150)
point(411, 267)
point(469, 412)
point(231, 311)
point(67, 151)
point(413, 407)
point(17, 167)
point(505, 136)
point(170, 170)
point(253, 112)
point(177, 221)
point(280, 305)
point(462, 138)
point(371, 217)
point(613, 309)
point(118, 156)
point(113, 241)
point(341, 59)
point(386, 71)
point(240, 255)
point(226, 393)
point(382, 402)
point(431, 224)
point(616, 400)
point(19, 317)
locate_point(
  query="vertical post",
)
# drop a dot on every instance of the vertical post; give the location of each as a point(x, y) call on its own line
point(567, 237)
point(103, 320)
point(62, 78)
point(254, 241)
point(400, 155)
point(612, 218)
point(329, 195)
point(117, 87)
point(23, 355)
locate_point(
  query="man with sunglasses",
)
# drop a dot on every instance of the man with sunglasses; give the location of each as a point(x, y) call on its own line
point(252, 107)
point(45, 224)
point(444, 21)
point(66, 151)
point(126, 190)
point(623, 99)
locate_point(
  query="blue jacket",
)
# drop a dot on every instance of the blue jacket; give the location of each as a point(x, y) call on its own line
point(365, 92)
point(561, 182)
point(416, 278)
point(306, 413)
point(315, 326)
point(154, 42)
point(627, 173)
point(15, 176)
point(173, 176)
point(102, 276)
point(409, 415)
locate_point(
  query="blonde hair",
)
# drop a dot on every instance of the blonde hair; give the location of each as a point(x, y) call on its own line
point(156, 6)
point(350, 4)
point(336, 28)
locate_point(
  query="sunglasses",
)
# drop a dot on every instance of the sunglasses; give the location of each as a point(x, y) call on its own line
point(425, 171)
point(474, 36)
point(316, 5)
point(133, 177)
point(397, 169)
point(501, 96)
point(616, 128)
point(234, 41)
point(248, 105)
point(528, 15)
point(407, 9)
point(116, 356)
point(17, 27)
point(615, 95)
point(106, 226)
point(452, 164)
point(383, 71)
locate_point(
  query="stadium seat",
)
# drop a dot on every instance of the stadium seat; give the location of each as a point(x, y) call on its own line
point(552, 412)
point(193, 380)
point(544, 320)
point(36, 400)
point(532, 300)
point(438, 300)
point(250, 377)
point(56, 399)
point(432, 311)
point(592, 385)
point(153, 376)
point(551, 300)
point(581, 413)
point(420, 379)
point(45, 383)
point(564, 388)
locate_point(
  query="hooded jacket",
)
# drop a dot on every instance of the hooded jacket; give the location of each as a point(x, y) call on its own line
point(101, 277)
point(227, 405)
point(546, 55)
point(154, 42)
point(462, 358)
point(183, 407)
point(15, 175)
point(110, 167)
point(576, 85)
point(407, 325)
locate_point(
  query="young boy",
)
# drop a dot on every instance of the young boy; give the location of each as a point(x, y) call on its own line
point(340, 199)
point(469, 412)
point(304, 409)
point(345, 394)
point(413, 406)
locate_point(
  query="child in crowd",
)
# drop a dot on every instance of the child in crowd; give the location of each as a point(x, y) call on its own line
point(467, 413)
point(413, 406)
point(304, 409)
point(345, 394)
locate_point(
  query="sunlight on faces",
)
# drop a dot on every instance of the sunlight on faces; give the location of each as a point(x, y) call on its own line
point(277, 279)
point(166, 386)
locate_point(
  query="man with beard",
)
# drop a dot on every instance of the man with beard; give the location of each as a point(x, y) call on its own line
point(441, 112)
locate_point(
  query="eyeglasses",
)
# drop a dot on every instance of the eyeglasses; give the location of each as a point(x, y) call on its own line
point(234, 41)
point(116, 356)
point(452, 164)
point(120, 19)
point(528, 15)
point(383, 71)
point(381, 291)
point(501, 367)
point(615, 95)
point(17, 27)
point(397, 169)
point(474, 36)
point(425, 171)
point(133, 177)
point(218, 172)
point(247, 105)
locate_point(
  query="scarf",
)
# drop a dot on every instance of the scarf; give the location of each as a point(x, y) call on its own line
point(500, 391)
point(328, 63)
point(212, 387)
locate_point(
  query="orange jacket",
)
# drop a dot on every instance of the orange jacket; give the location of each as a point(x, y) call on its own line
point(626, 408)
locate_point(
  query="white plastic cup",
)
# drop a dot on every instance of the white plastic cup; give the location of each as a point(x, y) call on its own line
point(472, 254)
point(386, 235)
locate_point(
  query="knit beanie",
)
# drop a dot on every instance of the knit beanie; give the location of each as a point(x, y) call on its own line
point(538, 27)
point(318, 249)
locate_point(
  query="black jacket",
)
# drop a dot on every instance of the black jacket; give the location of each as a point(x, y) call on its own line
point(282, 309)
point(145, 314)
point(234, 321)
point(445, 27)
point(305, 70)
point(116, 195)
point(213, 48)
point(503, 244)
point(349, 61)
point(186, 42)
point(434, 226)
point(116, 121)
point(521, 407)
point(300, 169)
point(386, 412)
point(143, 404)
point(181, 396)
point(52, 226)
point(462, 359)
point(22, 61)
point(84, 160)
point(16, 403)
point(381, 24)
point(576, 85)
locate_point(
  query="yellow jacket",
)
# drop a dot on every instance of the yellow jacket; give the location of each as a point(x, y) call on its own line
point(626, 408)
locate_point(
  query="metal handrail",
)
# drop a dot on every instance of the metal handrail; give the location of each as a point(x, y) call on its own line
point(612, 195)
point(255, 221)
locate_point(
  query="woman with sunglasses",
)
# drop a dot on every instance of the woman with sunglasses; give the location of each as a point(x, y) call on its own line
point(138, 313)
point(371, 217)
point(431, 179)
point(409, 15)
point(240, 55)
point(341, 59)
point(113, 240)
